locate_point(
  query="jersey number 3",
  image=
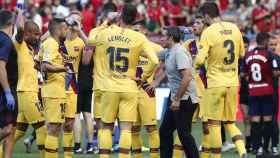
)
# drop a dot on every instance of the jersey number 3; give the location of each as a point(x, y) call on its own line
point(230, 46)
point(117, 55)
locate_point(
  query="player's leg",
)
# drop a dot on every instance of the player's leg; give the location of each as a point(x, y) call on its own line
point(55, 117)
point(86, 110)
point(205, 150)
point(71, 108)
point(77, 130)
point(247, 126)
point(255, 113)
point(89, 128)
point(213, 105)
point(178, 150)
point(33, 114)
point(109, 104)
point(127, 115)
point(97, 112)
point(41, 133)
point(77, 134)
point(268, 110)
point(136, 142)
point(29, 141)
point(147, 110)
point(11, 118)
point(230, 116)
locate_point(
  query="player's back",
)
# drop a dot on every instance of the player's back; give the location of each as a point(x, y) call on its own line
point(225, 45)
point(259, 70)
point(121, 48)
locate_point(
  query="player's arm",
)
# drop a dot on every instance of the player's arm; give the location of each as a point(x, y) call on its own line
point(149, 53)
point(20, 28)
point(242, 47)
point(204, 47)
point(48, 67)
point(87, 54)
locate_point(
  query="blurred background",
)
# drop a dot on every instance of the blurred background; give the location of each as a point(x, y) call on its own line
point(252, 16)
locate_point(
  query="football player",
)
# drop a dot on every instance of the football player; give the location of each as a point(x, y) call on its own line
point(120, 48)
point(221, 45)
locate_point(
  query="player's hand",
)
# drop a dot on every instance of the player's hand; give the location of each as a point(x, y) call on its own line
point(10, 100)
point(175, 105)
point(68, 79)
point(153, 86)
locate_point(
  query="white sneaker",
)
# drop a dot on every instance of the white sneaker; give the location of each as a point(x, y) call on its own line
point(227, 146)
point(274, 151)
point(200, 148)
point(260, 151)
point(28, 145)
point(145, 149)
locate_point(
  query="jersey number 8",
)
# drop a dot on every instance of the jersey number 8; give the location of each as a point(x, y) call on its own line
point(118, 55)
point(256, 72)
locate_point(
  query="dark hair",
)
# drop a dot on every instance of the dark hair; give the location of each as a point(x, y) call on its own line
point(54, 23)
point(246, 40)
point(129, 14)
point(262, 37)
point(6, 18)
point(174, 33)
point(209, 8)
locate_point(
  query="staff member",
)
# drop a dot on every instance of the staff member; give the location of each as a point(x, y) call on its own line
point(8, 81)
point(183, 98)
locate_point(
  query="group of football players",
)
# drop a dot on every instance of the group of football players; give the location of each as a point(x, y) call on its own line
point(125, 61)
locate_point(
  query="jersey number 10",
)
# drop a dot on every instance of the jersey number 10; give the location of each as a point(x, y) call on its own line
point(117, 55)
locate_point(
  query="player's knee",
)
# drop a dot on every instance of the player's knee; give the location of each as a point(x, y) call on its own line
point(7, 131)
point(68, 125)
point(267, 118)
point(205, 128)
point(22, 126)
point(151, 128)
point(214, 123)
point(54, 129)
point(135, 129)
point(126, 125)
point(38, 125)
point(255, 118)
point(109, 126)
point(98, 122)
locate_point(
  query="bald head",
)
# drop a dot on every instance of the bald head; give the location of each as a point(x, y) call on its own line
point(31, 26)
point(32, 33)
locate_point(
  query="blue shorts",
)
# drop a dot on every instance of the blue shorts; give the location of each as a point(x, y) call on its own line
point(261, 105)
point(7, 117)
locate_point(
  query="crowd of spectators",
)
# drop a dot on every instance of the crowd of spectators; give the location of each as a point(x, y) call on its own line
point(252, 16)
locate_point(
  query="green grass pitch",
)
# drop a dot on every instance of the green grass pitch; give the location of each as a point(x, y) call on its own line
point(19, 150)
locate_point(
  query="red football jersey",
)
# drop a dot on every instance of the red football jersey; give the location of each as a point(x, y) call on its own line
point(258, 66)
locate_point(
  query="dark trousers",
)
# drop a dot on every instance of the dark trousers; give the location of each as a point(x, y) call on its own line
point(180, 120)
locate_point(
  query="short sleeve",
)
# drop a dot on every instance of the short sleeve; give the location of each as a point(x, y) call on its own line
point(182, 60)
point(48, 52)
point(242, 48)
point(6, 48)
point(162, 54)
point(204, 46)
point(149, 51)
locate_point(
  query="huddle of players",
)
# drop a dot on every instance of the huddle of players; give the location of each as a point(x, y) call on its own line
point(116, 90)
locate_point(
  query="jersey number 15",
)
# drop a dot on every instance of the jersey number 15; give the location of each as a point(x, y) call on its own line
point(117, 55)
